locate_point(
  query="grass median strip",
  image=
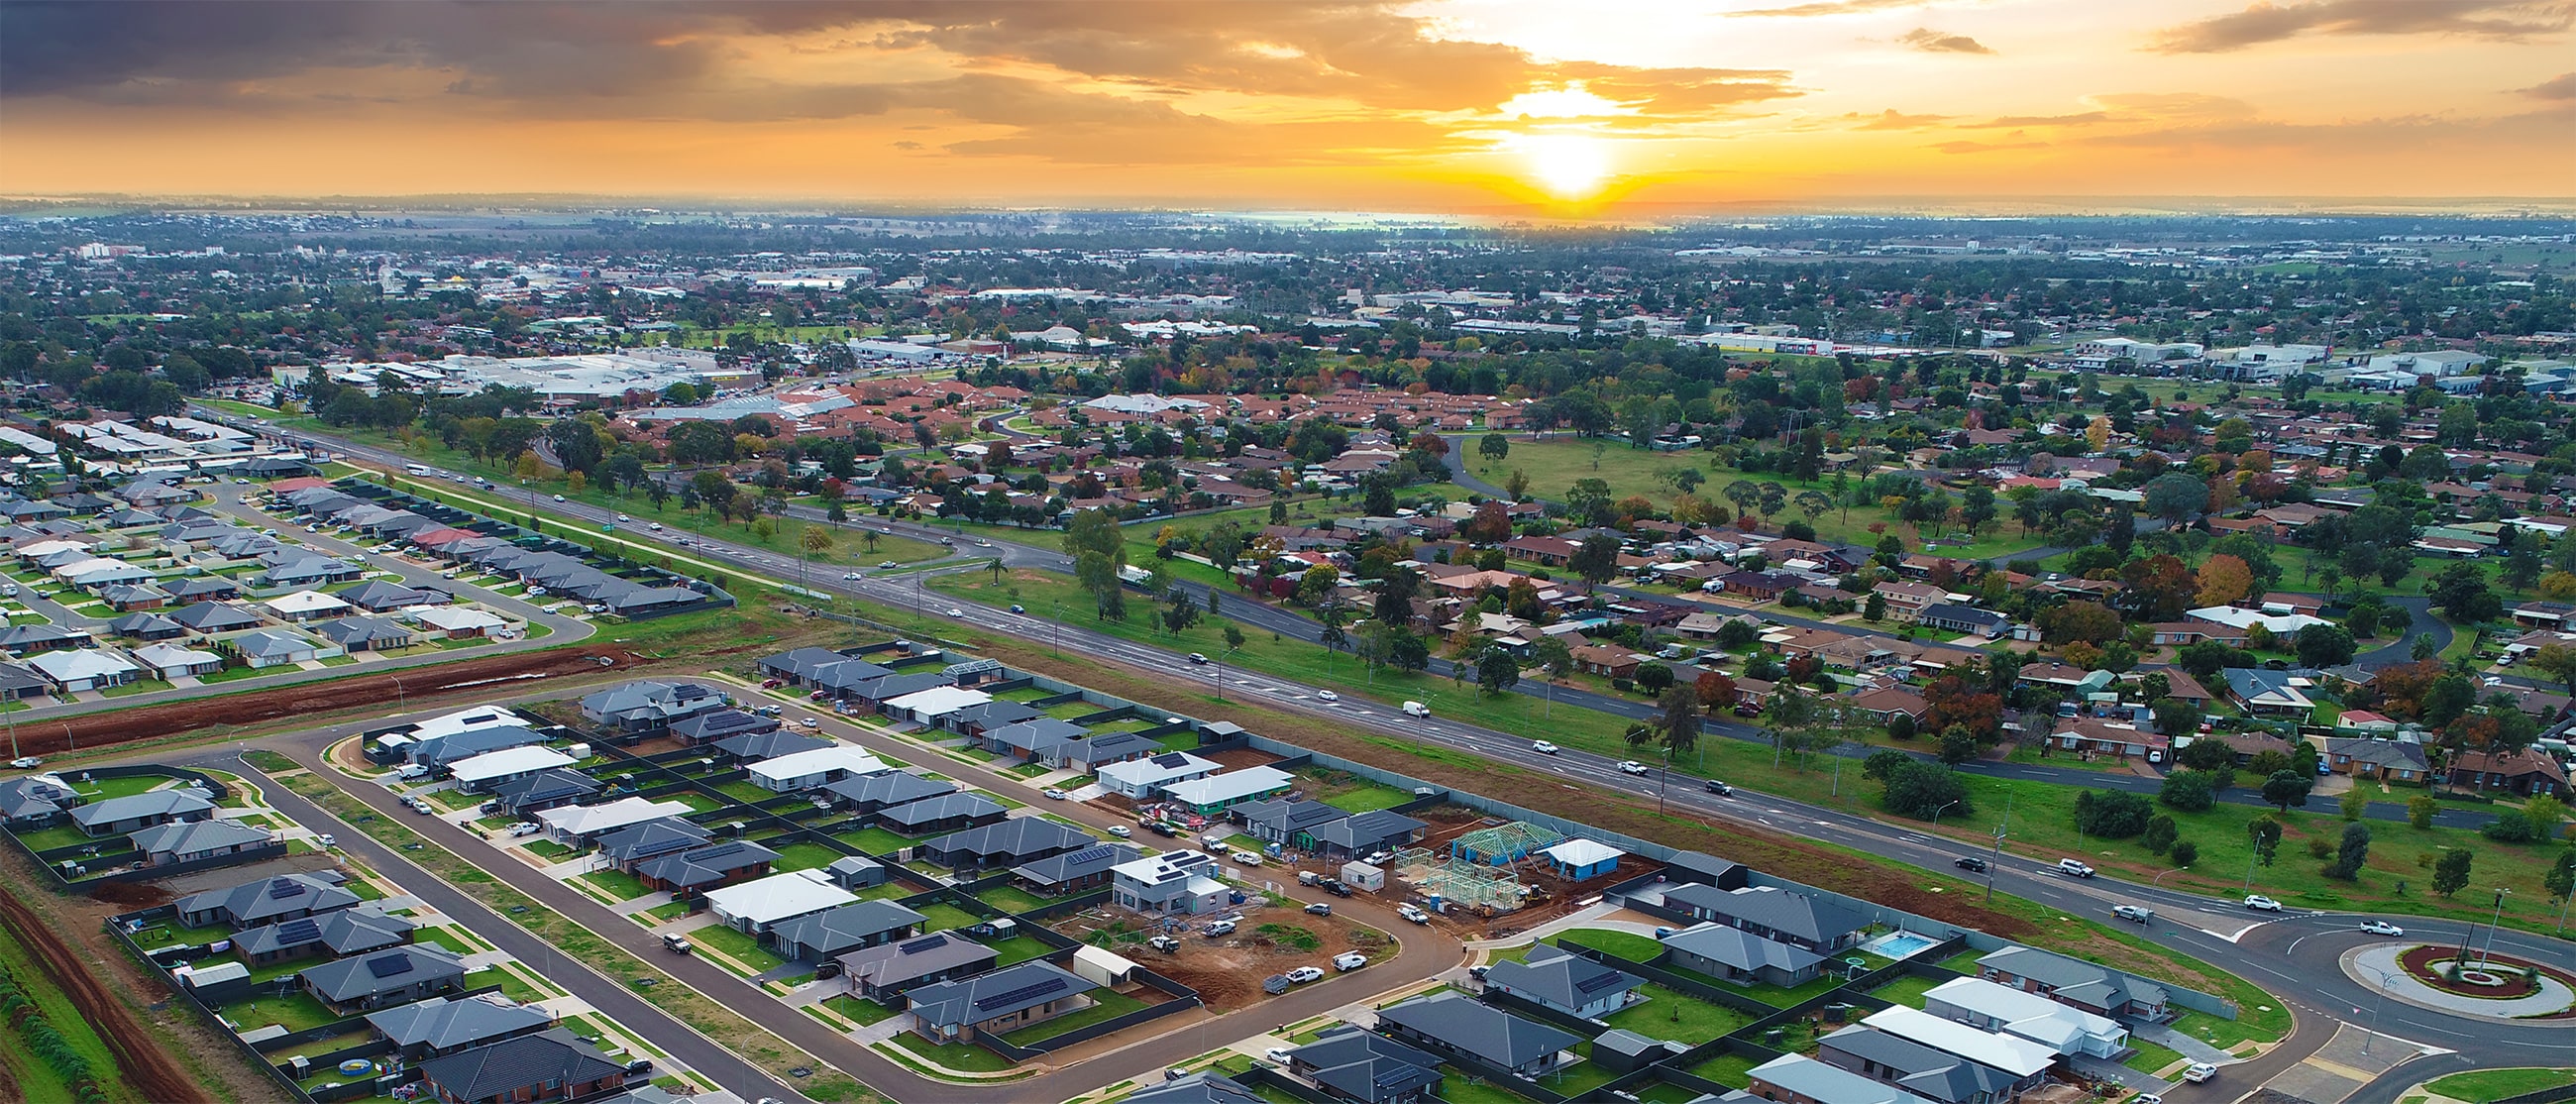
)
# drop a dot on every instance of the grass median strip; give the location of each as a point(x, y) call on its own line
point(723, 1025)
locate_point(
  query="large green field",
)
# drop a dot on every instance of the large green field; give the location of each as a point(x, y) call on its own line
point(35, 1079)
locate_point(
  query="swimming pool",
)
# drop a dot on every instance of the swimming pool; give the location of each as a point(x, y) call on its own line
point(1899, 944)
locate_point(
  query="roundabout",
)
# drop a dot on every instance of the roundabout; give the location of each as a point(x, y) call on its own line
point(2477, 986)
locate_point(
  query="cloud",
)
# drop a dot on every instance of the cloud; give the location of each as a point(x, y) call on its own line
point(2081, 118)
point(2503, 20)
point(1964, 146)
point(1820, 8)
point(1942, 42)
point(2560, 87)
point(1892, 119)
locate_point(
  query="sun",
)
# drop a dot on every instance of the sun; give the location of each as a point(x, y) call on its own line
point(1569, 165)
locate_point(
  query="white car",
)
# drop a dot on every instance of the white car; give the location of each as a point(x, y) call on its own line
point(559, 498)
point(1121, 831)
point(327, 840)
point(2198, 1072)
point(1278, 1056)
point(1304, 974)
point(1352, 961)
point(2381, 927)
point(622, 517)
point(1631, 766)
point(1327, 695)
point(2262, 903)
point(886, 565)
point(526, 828)
point(851, 576)
point(1543, 747)
point(1053, 794)
point(656, 527)
point(1413, 913)
point(955, 612)
point(1245, 858)
point(26, 762)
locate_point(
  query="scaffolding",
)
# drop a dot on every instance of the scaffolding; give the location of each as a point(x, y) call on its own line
point(1454, 882)
point(1504, 844)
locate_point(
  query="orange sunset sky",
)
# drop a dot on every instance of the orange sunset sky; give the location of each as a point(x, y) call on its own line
point(1449, 105)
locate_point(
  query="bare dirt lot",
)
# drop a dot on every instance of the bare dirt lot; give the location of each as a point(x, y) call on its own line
point(1228, 972)
point(500, 674)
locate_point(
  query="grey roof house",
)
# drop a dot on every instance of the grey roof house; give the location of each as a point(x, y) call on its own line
point(1779, 915)
point(266, 900)
point(548, 1065)
point(1554, 978)
point(848, 928)
point(1742, 957)
point(997, 1003)
point(333, 934)
point(446, 1025)
point(118, 816)
point(887, 969)
point(1350, 1063)
point(1458, 1024)
point(350, 986)
point(2074, 982)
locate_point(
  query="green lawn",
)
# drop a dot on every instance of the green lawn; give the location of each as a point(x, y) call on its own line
point(138, 686)
point(549, 849)
point(620, 885)
point(444, 935)
point(1729, 1069)
point(512, 986)
point(295, 1012)
point(1457, 1087)
point(1367, 798)
point(669, 912)
point(743, 790)
point(874, 841)
point(2500, 1083)
point(737, 946)
point(228, 674)
point(1907, 990)
point(60, 835)
point(1670, 1015)
point(941, 916)
point(2150, 1057)
point(1778, 997)
point(1106, 1004)
point(966, 1057)
point(1627, 945)
point(804, 855)
point(1017, 949)
point(858, 1011)
point(1010, 898)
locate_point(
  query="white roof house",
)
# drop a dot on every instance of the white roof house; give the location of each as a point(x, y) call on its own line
point(1139, 779)
point(304, 605)
point(97, 570)
point(579, 821)
point(457, 618)
point(165, 658)
point(1995, 1007)
point(805, 770)
point(467, 720)
point(927, 706)
point(81, 668)
point(1581, 852)
point(753, 907)
point(2278, 624)
point(2010, 1053)
point(1230, 787)
point(493, 766)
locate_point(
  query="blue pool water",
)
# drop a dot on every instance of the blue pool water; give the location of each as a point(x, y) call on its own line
point(1898, 944)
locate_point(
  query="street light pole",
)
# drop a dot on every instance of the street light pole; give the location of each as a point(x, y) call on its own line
point(1662, 778)
point(1936, 816)
point(2497, 921)
point(1994, 862)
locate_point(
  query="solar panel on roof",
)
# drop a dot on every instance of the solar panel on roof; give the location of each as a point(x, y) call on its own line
point(925, 943)
point(1597, 982)
point(298, 931)
point(1090, 854)
point(284, 888)
point(1172, 760)
point(1023, 993)
point(385, 966)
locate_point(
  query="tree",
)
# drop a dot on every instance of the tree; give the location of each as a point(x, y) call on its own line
point(1317, 582)
point(1589, 500)
point(2543, 812)
point(2184, 853)
point(2175, 496)
point(2350, 854)
point(1900, 725)
point(2160, 834)
point(2561, 879)
point(2354, 803)
point(1596, 559)
point(2285, 788)
point(2451, 871)
point(2420, 810)
point(1958, 745)
point(1496, 670)
point(2223, 580)
point(2558, 660)
point(2190, 791)
point(2266, 838)
point(1233, 632)
point(2324, 646)
point(1716, 689)
point(2461, 591)
point(2177, 717)
point(2111, 814)
point(1876, 608)
point(1883, 762)
point(1923, 790)
point(1654, 677)
point(1678, 718)
point(1494, 448)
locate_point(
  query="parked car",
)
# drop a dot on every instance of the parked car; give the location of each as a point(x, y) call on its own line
point(1278, 1056)
point(2381, 927)
point(26, 762)
point(1320, 908)
point(1220, 929)
point(1121, 831)
point(1351, 961)
point(1245, 858)
point(2260, 903)
point(526, 828)
point(2074, 868)
point(327, 840)
point(1334, 886)
point(1543, 747)
point(1304, 974)
point(675, 944)
point(1970, 863)
point(2198, 1072)
point(2133, 913)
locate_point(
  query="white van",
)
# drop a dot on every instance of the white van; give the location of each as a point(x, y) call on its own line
point(1417, 709)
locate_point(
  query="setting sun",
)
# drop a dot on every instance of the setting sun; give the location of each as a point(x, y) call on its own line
point(1565, 165)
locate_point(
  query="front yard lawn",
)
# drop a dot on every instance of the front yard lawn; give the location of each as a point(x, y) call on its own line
point(549, 849)
point(738, 947)
point(965, 1057)
point(620, 885)
point(858, 1011)
point(2500, 1083)
point(294, 1012)
point(1106, 1004)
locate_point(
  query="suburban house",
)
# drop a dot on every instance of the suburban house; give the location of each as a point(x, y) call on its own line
point(549, 1065)
point(267, 648)
point(1900, 1063)
point(996, 1003)
point(35, 801)
point(193, 840)
point(577, 825)
point(1798, 1079)
point(1014, 841)
point(1951, 617)
point(808, 770)
point(124, 816)
point(1144, 779)
point(78, 669)
point(1455, 1023)
point(1736, 955)
point(1778, 915)
point(2026, 1062)
point(2095, 736)
point(627, 848)
point(2271, 693)
point(1285, 822)
point(170, 661)
point(483, 773)
point(351, 986)
point(1218, 792)
point(851, 927)
point(546, 789)
point(714, 725)
point(1989, 1006)
point(1606, 660)
point(1558, 979)
point(266, 901)
point(886, 970)
point(445, 1025)
point(706, 868)
point(1075, 871)
point(1207, 1086)
point(1362, 834)
point(756, 907)
point(948, 812)
point(761, 744)
point(2363, 757)
point(1351, 1063)
point(867, 795)
point(2074, 982)
point(855, 872)
point(1109, 748)
point(1174, 882)
point(2524, 773)
point(332, 935)
point(647, 705)
point(366, 634)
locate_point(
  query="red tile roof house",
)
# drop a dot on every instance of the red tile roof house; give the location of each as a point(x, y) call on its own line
point(2095, 737)
point(1603, 659)
point(2523, 773)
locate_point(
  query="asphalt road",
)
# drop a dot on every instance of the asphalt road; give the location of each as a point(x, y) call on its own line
point(2303, 987)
